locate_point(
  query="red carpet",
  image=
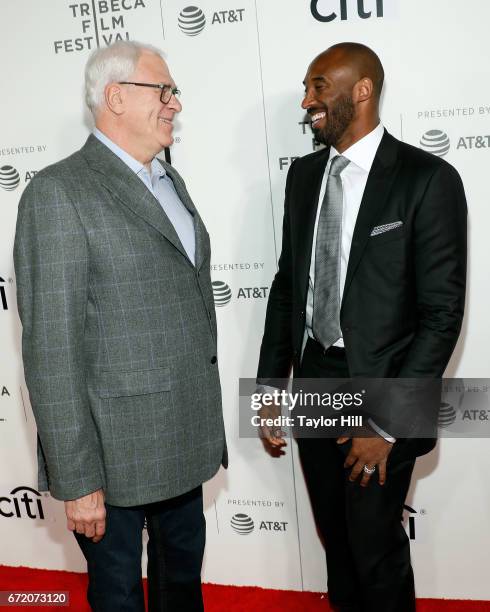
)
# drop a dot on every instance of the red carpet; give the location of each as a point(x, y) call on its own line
point(216, 598)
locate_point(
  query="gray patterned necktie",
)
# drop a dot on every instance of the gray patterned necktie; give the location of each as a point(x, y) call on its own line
point(326, 292)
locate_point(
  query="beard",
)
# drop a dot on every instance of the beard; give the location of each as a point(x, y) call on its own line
point(339, 117)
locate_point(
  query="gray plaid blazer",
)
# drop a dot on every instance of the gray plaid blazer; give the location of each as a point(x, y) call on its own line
point(119, 334)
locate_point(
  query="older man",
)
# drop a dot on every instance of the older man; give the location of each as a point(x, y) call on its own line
point(119, 340)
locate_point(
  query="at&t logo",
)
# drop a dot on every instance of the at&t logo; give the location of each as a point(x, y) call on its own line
point(474, 142)
point(252, 292)
point(242, 524)
point(192, 19)
point(221, 293)
point(9, 178)
point(447, 415)
point(436, 142)
point(322, 9)
point(23, 502)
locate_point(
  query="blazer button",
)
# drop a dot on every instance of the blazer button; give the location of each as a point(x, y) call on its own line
point(214, 359)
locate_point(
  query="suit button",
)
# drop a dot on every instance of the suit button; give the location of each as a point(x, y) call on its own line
point(214, 359)
point(347, 329)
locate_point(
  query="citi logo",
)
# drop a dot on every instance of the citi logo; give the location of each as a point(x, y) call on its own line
point(447, 415)
point(9, 178)
point(221, 293)
point(411, 520)
point(23, 502)
point(242, 524)
point(436, 142)
point(191, 20)
point(365, 9)
point(3, 296)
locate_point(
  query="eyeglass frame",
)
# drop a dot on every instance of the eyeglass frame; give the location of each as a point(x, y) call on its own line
point(174, 91)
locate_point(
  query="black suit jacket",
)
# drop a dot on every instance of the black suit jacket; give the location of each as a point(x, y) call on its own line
point(404, 293)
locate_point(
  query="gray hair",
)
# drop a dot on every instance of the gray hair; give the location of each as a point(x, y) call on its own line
point(117, 62)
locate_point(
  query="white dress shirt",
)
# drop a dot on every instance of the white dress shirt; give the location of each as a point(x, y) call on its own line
point(354, 178)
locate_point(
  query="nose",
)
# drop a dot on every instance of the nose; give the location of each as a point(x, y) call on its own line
point(175, 104)
point(307, 100)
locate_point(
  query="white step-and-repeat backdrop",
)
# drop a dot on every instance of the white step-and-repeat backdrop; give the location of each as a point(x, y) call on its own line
point(241, 77)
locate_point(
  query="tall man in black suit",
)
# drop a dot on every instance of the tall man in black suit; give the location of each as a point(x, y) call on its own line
point(370, 283)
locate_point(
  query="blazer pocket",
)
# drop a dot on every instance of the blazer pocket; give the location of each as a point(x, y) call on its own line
point(134, 382)
point(394, 234)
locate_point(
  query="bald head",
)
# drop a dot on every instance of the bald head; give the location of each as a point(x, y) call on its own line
point(361, 60)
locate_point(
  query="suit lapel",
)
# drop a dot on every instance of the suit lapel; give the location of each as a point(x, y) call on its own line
point(309, 192)
point(199, 229)
point(376, 193)
point(124, 185)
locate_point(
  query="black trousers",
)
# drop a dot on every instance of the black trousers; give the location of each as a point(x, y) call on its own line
point(367, 549)
point(176, 538)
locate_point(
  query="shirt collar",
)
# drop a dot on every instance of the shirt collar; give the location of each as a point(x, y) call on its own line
point(133, 164)
point(363, 152)
point(156, 168)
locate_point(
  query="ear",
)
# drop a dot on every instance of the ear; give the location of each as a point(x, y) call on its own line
point(114, 98)
point(363, 90)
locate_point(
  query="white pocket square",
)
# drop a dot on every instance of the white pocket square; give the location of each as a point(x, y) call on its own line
point(381, 229)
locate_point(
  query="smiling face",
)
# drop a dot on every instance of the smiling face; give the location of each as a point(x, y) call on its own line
point(147, 122)
point(328, 98)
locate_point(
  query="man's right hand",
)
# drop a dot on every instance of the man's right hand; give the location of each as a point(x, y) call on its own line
point(86, 515)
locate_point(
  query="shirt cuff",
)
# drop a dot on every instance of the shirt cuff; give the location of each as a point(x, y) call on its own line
point(382, 433)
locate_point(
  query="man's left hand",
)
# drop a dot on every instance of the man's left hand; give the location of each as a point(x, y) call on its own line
point(371, 452)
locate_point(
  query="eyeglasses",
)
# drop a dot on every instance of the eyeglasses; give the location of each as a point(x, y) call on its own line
point(166, 91)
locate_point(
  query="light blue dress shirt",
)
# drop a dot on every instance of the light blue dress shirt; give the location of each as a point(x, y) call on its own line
point(162, 188)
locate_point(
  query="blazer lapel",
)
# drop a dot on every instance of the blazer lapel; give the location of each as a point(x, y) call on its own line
point(199, 229)
point(378, 188)
point(308, 194)
point(124, 185)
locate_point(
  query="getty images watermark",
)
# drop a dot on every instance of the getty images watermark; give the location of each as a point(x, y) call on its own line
point(271, 398)
point(400, 407)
